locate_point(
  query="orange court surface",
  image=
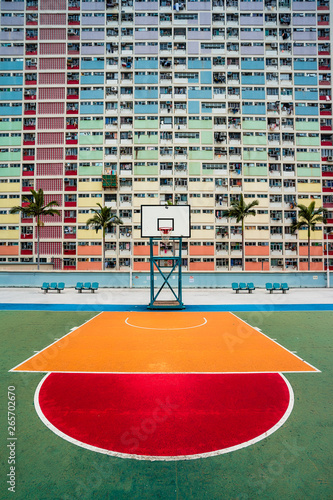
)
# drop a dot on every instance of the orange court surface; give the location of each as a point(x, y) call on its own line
point(164, 342)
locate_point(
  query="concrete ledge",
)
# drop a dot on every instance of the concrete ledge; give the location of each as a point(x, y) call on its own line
point(120, 279)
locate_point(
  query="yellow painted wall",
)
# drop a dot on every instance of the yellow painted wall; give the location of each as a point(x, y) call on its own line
point(10, 234)
point(137, 202)
point(203, 234)
point(257, 219)
point(263, 202)
point(9, 202)
point(10, 219)
point(88, 202)
point(136, 218)
point(202, 202)
point(255, 187)
point(82, 218)
point(201, 186)
point(315, 235)
point(89, 186)
point(309, 187)
point(10, 187)
point(255, 234)
point(90, 234)
point(306, 202)
point(141, 187)
point(202, 218)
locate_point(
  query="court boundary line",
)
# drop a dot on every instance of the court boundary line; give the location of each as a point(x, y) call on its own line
point(165, 373)
point(97, 308)
point(14, 369)
point(50, 345)
point(167, 329)
point(277, 343)
point(152, 458)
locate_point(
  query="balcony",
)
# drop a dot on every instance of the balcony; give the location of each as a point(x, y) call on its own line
point(71, 172)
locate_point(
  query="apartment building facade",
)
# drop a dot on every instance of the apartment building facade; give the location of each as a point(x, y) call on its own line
point(128, 102)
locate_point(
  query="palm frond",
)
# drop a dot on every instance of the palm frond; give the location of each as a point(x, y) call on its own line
point(239, 209)
point(308, 217)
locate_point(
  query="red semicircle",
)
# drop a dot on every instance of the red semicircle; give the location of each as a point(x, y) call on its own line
point(163, 415)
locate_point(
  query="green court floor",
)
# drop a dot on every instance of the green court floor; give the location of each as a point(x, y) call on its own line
point(293, 463)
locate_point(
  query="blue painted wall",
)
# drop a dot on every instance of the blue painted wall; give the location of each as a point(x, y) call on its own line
point(110, 279)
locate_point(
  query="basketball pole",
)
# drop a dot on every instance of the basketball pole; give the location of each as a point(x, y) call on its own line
point(176, 266)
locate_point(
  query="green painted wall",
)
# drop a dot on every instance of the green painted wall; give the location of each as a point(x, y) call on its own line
point(10, 141)
point(254, 155)
point(201, 124)
point(146, 155)
point(253, 125)
point(10, 172)
point(307, 126)
point(10, 156)
point(144, 170)
point(90, 155)
point(91, 124)
point(308, 156)
point(206, 137)
point(90, 170)
point(10, 126)
point(200, 155)
point(194, 168)
point(145, 124)
point(308, 172)
point(255, 140)
point(307, 141)
point(146, 139)
point(90, 139)
point(250, 171)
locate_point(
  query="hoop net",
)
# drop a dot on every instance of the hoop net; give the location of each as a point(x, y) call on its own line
point(165, 233)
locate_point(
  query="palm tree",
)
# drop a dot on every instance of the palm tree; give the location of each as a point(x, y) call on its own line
point(308, 217)
point(240, 210)
point(36, 209)
point(103, 219)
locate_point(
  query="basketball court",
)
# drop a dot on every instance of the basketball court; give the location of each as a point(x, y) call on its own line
point(117, 401)
point(197, 384)
point(117, 398)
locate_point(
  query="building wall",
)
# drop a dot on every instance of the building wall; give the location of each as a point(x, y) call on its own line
point(185, 102)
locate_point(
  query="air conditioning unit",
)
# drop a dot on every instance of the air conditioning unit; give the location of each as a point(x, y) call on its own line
point(330, 158)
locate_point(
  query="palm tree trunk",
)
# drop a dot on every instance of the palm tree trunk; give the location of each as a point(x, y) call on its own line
point(103, 250)
point(243, 247)
point(309, 251)
point(38, 243)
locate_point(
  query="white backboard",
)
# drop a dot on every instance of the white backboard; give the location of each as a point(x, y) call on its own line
point(154, 217)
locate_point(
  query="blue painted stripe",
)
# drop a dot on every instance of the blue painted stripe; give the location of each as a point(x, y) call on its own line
point(131, 307)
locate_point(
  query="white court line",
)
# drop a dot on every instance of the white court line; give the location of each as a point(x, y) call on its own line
point(214, 453)
point(168, 329)
point(53, 343)
point(277, 343)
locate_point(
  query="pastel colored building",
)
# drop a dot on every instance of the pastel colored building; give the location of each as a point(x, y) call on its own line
point(128, 102)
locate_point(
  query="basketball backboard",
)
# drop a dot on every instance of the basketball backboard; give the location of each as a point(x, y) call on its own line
point(155, 217)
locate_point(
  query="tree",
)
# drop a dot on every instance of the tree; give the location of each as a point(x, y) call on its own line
point(36, 209)
point(103, 219)
point(308, 217)
point(240, 210)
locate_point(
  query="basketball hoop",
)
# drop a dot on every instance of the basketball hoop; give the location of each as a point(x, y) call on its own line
point(165, 233)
